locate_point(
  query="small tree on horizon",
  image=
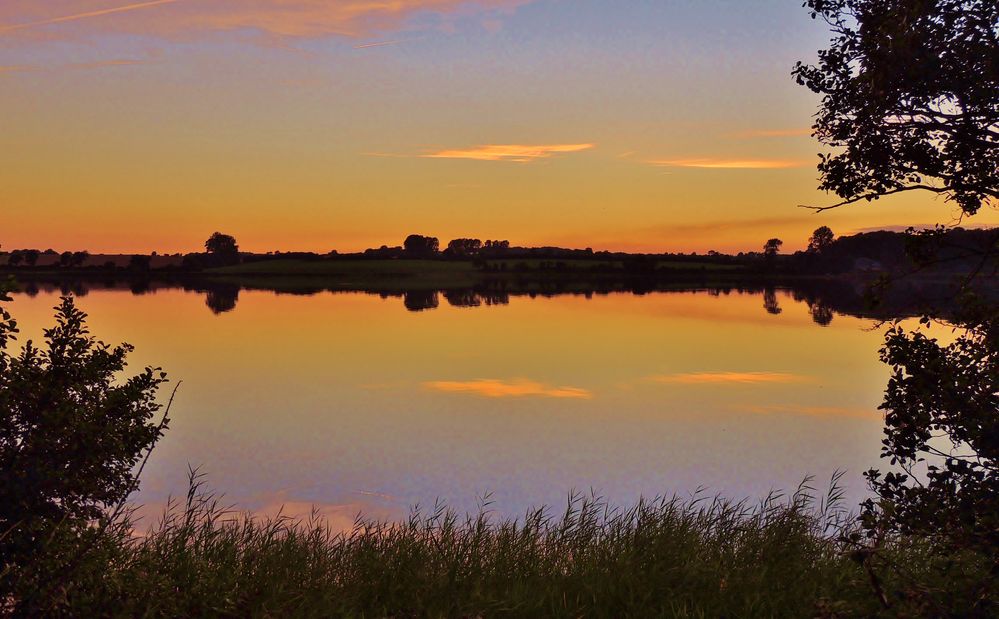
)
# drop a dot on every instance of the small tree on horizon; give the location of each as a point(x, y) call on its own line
point(772, 247)
point(821, 239)
point(419, 245)
point(222, 245)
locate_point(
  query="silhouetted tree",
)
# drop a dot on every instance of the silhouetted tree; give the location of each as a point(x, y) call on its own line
point(222, 245)
point(71, 434)
point(464, 247)
point(419, 245)
point(66, 258)
point(772, 247)
point(15, 257)
point(911, 102)
point(909, 99)
point(820, 239)
point(31, 257)
point(79, 257)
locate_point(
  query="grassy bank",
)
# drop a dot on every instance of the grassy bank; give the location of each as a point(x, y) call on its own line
point(671, 558)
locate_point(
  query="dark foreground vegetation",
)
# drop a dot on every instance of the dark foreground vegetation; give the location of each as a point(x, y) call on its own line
point(703, 557)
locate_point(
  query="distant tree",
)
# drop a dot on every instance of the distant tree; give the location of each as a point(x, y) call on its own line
point(66, 258)
point(50, 252)
point(15, 257)
point(772, 247)
point(910, 99)
point(820, 240)
point(418, 245)
point(79, 257)
point(31, 257)
point(222, 245)
point(464, 247)
point(71, 434)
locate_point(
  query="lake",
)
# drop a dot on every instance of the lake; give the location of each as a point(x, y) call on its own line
point(350, 401)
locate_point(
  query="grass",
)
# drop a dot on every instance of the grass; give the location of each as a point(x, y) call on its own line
point(666, 558)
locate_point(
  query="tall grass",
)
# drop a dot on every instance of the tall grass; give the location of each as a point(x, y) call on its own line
point(699, 557)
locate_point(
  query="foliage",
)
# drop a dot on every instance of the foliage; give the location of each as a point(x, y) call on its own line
point(464, 247)
point(942, 432)
point(71, 434)
point(772, 247)
point(420, 245)
point(820, 240)
point(222, 245)
point(910, 98)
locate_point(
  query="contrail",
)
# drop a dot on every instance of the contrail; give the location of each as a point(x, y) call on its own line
point(379, 44)
point(59, 20)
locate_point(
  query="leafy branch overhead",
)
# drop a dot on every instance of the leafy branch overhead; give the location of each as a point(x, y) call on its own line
point(910, 99)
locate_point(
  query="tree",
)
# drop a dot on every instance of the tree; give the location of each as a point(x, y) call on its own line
point(911, 102)
point(464, 247)
point(418, 245)
point(820, 240)
point(66, 258)
point(910, 99)
point(222, 245)
point(772, 247)
point(71, 433)
point(79, 257)
point(15, 257)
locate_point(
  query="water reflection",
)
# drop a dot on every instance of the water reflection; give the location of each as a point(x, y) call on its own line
point(825, 299)
point(526, 392)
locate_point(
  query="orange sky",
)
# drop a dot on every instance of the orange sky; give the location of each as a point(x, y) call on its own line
point(317, 125)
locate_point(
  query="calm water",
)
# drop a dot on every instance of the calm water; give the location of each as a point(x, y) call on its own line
point(348, 401)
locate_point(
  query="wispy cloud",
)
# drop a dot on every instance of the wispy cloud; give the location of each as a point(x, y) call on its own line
point(728, 378)
point(773, 133)
point(281, 18)
point(519, 153)
point(85, 15)
point(492, 388)
point(730, 164)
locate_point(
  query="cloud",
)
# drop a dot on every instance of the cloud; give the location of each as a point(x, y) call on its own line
point(492, 388)
point(728, 378)
point(773, 133)
point(520, 153)
point(283, 18)
point(731, 164)
point(84, 15)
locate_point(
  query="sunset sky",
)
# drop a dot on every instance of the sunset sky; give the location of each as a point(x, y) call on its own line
point(654, 125)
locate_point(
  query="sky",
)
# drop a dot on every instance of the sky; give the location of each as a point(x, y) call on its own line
point(647, 125)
